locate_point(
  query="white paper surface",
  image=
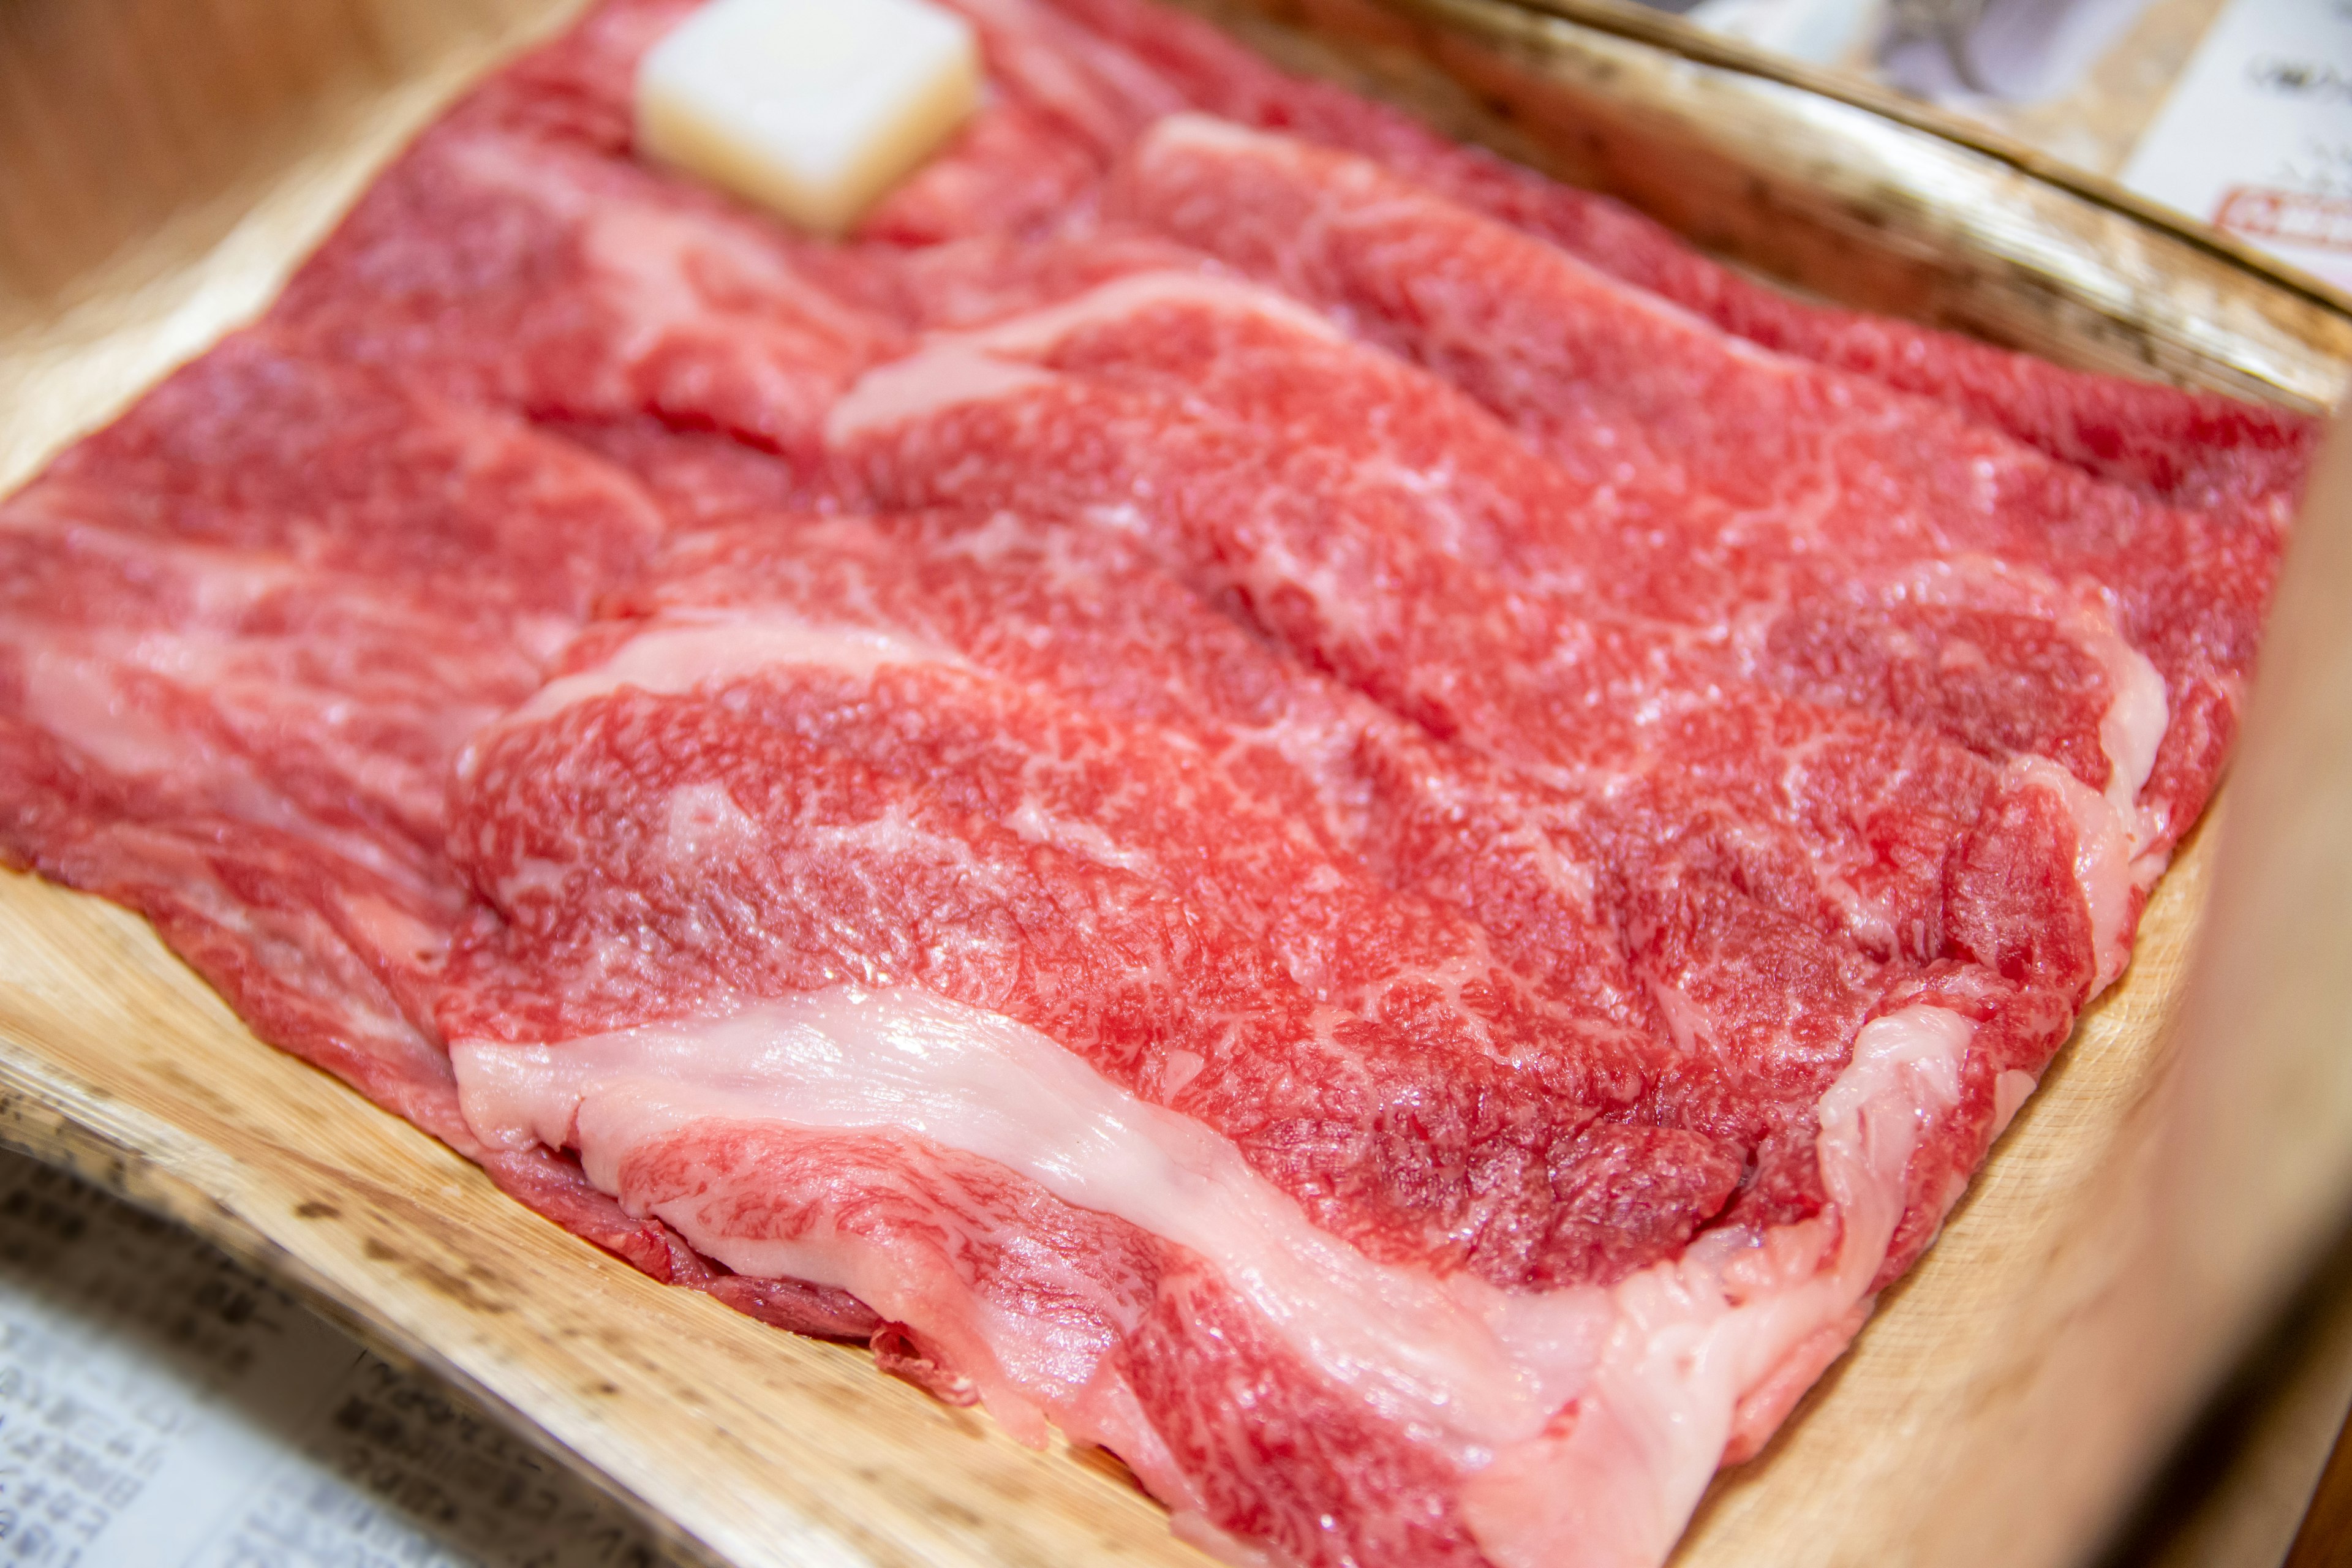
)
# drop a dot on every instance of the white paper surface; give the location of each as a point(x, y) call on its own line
point(2256, 137)
point(161, 1407)
point(1818, 31)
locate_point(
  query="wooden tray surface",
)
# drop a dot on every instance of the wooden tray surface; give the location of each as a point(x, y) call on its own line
point(751, 1446)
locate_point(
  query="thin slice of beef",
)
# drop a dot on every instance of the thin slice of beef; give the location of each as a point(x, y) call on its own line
point(527, 271)
point(763, 805)
point(244, 632)
point(2188, 449)
point(1832, 819)
point(815, 836)
point(1759, 1008)
point(246, 629)
point(1986, 651)
point(1713, 447)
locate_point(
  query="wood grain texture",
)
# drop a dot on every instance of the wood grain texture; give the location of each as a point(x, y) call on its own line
point(1958, 1431)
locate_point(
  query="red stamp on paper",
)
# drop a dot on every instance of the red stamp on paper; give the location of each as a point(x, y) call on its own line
point(2290, 217)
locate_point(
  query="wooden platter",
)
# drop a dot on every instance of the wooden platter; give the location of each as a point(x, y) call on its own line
point(2011, 1391)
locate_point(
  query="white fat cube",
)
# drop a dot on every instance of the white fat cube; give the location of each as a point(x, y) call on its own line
point(812, 108)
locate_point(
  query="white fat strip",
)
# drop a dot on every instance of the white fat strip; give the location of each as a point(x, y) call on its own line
point(930, 380)
point(2105, 866)
point(80, 700)
point(1074, 837)
point(1040, 332)
point(2132, 729)
point(955, 369)
point(221, 582)
point(686, 655)
point(74, 690)
point(1191, 127)
point(2009, 1092)
point(1458, 1354)
point(1693, 1336)
point(2138, 712)
point(703, 823)
point(1191, 131)
point(78, 696)
point(1658, 1365)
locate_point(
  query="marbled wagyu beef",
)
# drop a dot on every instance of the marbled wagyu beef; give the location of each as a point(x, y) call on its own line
point(1242, 781)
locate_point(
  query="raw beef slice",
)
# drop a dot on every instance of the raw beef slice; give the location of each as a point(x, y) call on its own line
point(773, 879)
point(1244, 782)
